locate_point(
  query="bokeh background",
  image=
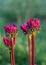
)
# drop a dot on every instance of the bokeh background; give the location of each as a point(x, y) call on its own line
point(18, 12)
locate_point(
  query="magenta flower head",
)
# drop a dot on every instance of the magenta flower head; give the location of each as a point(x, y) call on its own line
point(33, 24)
point(7, 41)
point(30, 22)
point(10, 28)
point(24, 27)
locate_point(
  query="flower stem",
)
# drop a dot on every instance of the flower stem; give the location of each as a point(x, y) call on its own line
point(29, 48)
point(13, 59)
point(33, 46)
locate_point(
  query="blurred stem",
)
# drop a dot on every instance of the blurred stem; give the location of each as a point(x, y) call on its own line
point(13, 59)
point(29, 48)
point(33, 46)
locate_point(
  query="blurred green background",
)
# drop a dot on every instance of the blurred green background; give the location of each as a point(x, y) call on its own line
point(18, 12)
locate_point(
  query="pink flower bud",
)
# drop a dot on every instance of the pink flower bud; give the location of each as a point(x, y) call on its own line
point(7, 41)
point(10, 28)
point(23, 27)
point(33, 22)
